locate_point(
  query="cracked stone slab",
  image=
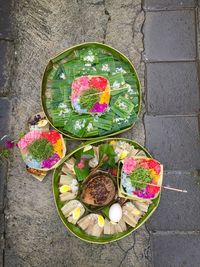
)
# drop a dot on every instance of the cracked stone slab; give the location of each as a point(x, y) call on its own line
point(168, 4)
point(172, 212)
point(174, 140)
point(35, 234)
point(6, 19)
point(176, 249)
point(6, 58)
point(172, 88)
point(4, 130)
point(178, 30)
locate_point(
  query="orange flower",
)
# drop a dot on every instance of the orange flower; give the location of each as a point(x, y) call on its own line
point(155, 177)
point(58, 148)
point(105, 97)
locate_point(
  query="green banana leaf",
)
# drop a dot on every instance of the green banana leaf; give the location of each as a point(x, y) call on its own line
point(76, 230)
point(61, 88)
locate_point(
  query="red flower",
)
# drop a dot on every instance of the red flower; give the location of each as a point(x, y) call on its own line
point(98, 82)
point(52, 136)
point(153, 164)
point(153, 189)
point(113, 171)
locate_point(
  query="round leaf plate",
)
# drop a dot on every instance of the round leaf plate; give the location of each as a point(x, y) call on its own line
point(91, 90)
point(74, 228)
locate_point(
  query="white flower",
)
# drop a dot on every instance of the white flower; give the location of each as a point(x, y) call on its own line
point(120, 70)
point(89, 58)
point(90, 127)
point(116, 84)
point(130, 90)
point(79, 124)
point(63, 112)
point(122, 105)
point(90, 52)
point(105, 67)
point(62, 105)
point(126, 96)
point(88, 64)
point(62, 76)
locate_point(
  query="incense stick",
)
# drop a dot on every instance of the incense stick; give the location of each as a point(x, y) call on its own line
point(163, 186)
point(117, 89)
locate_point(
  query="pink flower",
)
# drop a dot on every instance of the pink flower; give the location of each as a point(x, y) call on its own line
point(81, 164)
point(78, 86)
point(144, 164)
point(28, 138)
point(129, 165)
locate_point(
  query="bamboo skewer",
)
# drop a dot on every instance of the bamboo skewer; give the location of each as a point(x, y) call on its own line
point(117, 89)
point(163, 186)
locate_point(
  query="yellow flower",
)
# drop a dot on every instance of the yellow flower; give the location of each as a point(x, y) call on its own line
point(105, 97)
point(113, 142)
point(65, 188)
point(86, 148)
point(101, 220)
point(42, 123)
point(76, 213)
point(123, 154)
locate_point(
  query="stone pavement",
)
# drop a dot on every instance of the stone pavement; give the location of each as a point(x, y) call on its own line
point(31, 233)
point(171, 54)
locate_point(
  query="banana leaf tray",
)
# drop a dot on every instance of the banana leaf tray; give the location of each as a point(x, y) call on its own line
point(90, 90)
point(73, 228)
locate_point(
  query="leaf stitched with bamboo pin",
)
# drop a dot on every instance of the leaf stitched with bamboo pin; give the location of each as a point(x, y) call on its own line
point(140, 177)
point(41, 149)
point(88, 98)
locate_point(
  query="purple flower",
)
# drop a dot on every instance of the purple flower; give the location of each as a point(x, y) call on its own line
point(51, 161)
point(143, 193)
point(9, 144)
point(99, 107)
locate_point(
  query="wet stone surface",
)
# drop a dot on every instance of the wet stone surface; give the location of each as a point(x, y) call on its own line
point(178, 31)
point(175, 250)
point(171, 214)
point(174, 141)
point(172, 88)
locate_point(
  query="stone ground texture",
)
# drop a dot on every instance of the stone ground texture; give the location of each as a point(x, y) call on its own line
point(35, 236)
point(171, 54)
point(31, 233)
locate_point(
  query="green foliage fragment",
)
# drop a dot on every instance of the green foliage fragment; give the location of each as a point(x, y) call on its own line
point(140, 177)
point(40, 149)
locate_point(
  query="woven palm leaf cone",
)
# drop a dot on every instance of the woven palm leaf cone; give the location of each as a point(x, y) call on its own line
point(123, 194)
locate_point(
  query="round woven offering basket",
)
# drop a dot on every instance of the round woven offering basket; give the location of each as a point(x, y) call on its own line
point(91, 60)
point(73, 228)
